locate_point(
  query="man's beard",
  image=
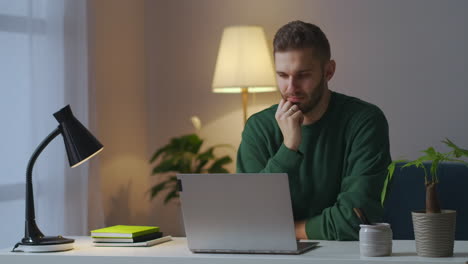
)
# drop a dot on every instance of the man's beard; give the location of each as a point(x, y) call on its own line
point(313, 99)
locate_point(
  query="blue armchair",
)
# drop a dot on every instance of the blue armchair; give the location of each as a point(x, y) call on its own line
point(407, 193)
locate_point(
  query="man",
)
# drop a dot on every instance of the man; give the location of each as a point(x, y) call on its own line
point(334, 148)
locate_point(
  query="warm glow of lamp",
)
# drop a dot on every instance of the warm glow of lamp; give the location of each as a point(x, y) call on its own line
point(244, 63)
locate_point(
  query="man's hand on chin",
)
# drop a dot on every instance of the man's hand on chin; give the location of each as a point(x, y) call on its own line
point(300, 229)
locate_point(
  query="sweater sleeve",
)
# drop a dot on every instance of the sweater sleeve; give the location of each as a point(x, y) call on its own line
point(368, 156)
point(256, 155)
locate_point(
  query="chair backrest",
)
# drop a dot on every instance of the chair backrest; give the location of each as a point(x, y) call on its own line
point(407, 193)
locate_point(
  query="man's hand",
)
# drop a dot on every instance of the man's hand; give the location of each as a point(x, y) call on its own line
point(290, 119)
point(299, 226)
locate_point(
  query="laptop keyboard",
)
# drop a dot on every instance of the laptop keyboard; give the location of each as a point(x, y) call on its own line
point(300, 247)
point(303, 245)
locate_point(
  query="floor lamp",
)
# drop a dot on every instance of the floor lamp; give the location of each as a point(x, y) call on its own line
point(244, 63)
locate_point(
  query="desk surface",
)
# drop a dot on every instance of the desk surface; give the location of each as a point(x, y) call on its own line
point(176, 251)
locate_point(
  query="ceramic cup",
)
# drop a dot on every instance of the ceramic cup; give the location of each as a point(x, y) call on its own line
point(375, 240)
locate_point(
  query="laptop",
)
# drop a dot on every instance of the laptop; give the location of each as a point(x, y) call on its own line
point(239, 213)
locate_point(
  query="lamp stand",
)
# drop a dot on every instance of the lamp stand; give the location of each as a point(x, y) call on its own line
point(245, 97)
point(34, 240)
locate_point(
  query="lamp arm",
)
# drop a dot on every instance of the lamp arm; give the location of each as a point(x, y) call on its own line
point(31, 230)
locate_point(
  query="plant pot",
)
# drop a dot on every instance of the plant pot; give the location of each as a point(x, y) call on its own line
point(434, 233)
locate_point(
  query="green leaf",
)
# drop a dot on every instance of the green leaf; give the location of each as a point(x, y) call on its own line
point(390, 171)
point(207, 155)
point(218, 164)
point(189, 143)
point(166, 166)
point(159, 152)
point(458, 152)
point(170, 182)
point(222, 161)
point(433, 157)
point(203, 159)
point(416, 163)
point(431, 153)
point(201, 164)
point(171, 195)
point(158, 188)
point(182, 155)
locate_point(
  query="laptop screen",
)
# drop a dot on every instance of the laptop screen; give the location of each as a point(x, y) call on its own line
point(243, 212)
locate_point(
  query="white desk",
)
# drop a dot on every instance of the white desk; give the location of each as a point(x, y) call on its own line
point(177, 252)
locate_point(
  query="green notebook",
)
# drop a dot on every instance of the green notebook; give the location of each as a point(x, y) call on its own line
point(124, 231)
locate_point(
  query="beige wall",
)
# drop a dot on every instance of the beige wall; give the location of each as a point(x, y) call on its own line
point(118, 63)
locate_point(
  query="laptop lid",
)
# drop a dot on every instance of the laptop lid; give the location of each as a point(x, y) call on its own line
point(246, 212)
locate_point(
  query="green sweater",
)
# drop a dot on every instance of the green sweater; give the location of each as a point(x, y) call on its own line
point(341, 164)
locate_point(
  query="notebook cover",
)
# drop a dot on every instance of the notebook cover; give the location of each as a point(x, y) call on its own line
point(124, 231)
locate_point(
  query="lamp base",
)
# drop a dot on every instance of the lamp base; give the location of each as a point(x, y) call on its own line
point(46, 244)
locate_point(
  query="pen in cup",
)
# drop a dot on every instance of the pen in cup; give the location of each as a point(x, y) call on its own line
point(360, 214)
point(375, 240)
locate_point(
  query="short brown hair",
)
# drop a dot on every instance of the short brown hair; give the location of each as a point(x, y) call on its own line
point(300, 35)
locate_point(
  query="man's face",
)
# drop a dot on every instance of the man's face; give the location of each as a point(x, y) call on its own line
point(301, 78)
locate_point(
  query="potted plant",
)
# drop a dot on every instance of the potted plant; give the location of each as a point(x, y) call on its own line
point(183, 155)
point(434, 229)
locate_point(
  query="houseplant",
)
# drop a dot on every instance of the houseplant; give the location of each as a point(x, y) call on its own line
point(433, 228)
point(183, 155)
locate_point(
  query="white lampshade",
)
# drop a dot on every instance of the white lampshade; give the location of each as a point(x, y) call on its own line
point(244, 61)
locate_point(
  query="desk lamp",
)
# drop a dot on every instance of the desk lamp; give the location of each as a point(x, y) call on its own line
point(244, 63)
point(80, 145)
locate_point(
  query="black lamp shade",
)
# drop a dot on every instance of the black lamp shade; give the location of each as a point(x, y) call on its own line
point(79, 142)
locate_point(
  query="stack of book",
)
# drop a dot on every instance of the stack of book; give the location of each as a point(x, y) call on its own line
point(128, 236)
